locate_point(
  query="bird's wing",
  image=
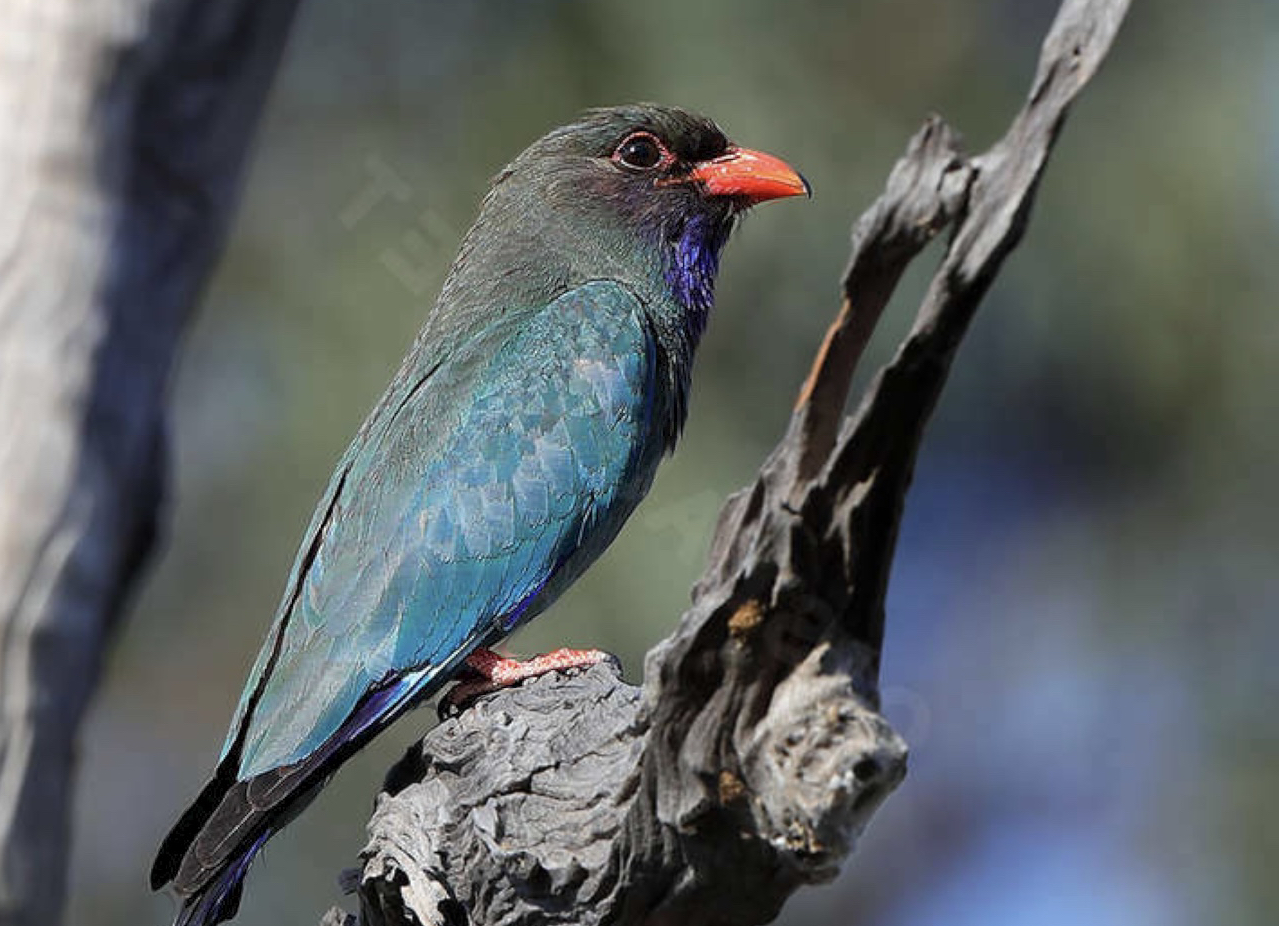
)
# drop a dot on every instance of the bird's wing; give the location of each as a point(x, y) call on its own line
point(460, 500)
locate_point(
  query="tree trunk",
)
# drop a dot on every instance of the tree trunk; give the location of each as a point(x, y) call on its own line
point(123, 132)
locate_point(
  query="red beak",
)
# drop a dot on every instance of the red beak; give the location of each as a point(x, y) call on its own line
point(750, 175)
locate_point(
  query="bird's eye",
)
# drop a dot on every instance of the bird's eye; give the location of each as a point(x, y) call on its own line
point(640, 151)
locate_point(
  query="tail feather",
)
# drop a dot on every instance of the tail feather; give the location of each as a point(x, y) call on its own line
point(239, 821)
point(168, 859)
point(207, 853)
point(219, 899)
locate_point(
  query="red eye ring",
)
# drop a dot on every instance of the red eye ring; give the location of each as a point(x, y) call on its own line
point(641, 151)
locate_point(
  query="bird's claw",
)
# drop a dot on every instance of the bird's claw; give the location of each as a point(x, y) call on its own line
point(486, 671)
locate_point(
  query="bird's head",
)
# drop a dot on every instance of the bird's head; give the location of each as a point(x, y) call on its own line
point(662, 176)
point(643, 193)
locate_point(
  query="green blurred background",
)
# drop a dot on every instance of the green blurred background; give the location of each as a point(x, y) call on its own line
point(1082, 638)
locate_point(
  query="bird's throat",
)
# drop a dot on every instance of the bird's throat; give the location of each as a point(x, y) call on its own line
point(692, 261)
point(690, 258)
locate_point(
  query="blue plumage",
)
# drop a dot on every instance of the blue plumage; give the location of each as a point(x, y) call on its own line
point(489, 480)
point(522, 429)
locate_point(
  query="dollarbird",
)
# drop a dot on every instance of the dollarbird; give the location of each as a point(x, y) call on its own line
point(521, 430)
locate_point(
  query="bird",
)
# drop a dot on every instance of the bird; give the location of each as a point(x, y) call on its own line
point(522, 429)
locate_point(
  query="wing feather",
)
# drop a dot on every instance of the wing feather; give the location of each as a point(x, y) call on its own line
point(485, 478)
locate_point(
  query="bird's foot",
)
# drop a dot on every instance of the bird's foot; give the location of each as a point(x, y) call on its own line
point(490, 671)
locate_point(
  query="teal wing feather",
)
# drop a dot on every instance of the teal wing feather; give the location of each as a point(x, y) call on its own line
point(479, 488)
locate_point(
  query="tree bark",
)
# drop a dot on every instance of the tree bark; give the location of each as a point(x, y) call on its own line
point(123, 133)
point(754, 755)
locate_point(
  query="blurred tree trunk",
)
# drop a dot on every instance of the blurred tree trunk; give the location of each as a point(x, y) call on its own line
point(123, 131)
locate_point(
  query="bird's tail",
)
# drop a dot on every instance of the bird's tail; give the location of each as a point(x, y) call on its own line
point(219, 899)
point(206, 855)
point(208, 851)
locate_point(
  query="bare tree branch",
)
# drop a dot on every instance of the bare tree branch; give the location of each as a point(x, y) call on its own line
point(754, 755)
point(125, 131)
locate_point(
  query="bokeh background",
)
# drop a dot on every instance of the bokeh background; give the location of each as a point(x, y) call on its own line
point(1082, 640)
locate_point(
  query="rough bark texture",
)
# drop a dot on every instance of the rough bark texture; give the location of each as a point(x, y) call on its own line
point(754, 755)
point(123, 130)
